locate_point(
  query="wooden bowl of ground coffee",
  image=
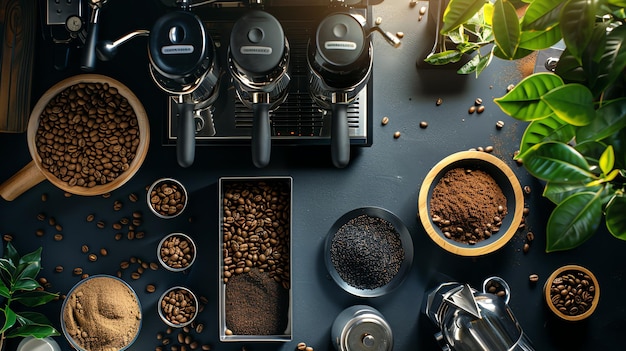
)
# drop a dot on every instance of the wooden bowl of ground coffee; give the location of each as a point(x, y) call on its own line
point(470, 203)
point(101, 313)
point(87, 135)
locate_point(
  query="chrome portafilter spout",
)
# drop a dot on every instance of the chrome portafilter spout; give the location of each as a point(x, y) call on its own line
point(258, 61)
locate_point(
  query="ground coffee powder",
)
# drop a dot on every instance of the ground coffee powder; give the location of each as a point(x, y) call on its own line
point(256, 304)
point(468, 205)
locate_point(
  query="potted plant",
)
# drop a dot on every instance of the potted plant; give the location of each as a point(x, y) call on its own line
point(18, 283)
point(575, 139)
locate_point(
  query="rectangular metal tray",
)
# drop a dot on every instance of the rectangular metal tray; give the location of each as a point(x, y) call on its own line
point(224, 335)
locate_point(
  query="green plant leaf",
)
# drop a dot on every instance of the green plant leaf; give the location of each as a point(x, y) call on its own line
point(30, 270)
point(619, 3)
point(573, 103)
point(557, 162)
point(444, 57)
point(524, 101)
point(477, 64)
point(591, 150)
point(612, 61)
point(35, 330)
point(31, 257)
point(26, 284)
point(557, 192)
point(7, 269)
point(615, 220)
point(542, 15)
point(573, 221)
point(506, 27)
point(12, 254)
point(610, 118)
point(9, 319)
point(539, 40)
point(4, 290)
point(570, 69)
point(458, 12)
point(546, 129)
point(34, 298)
point(607, 160)
point(520, 53)
point(29, 317)
point(576, 19)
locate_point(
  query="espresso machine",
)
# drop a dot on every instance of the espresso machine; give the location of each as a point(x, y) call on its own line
point(470, 320)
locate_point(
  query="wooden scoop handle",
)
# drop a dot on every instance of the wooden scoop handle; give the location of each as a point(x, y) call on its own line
point(24, 179)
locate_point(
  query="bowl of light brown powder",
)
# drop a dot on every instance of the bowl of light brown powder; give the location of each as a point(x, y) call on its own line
point(101, 313)
point(470, 203)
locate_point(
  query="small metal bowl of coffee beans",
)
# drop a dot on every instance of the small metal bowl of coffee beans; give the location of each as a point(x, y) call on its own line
point(167, 198)
point(178, 307)
point(368, 252)
point(176, 252)
point(471, 203)
point(572, 292)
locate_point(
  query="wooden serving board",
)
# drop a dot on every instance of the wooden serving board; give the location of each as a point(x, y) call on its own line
point(17, 42)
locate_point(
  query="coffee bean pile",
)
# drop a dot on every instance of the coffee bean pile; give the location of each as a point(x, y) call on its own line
point(87, 135)
point(572, 292)
point(494, 287)
point(256, 229)
point(167, 198)
point(177, 252)
point(367, 252)
point(179, 306)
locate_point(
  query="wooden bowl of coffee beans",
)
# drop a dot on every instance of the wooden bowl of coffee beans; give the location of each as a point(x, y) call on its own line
point(87, 135)
point(178, 307)
point(470, 203)
point(572, 292)
point(176, 252)
point(167, 198)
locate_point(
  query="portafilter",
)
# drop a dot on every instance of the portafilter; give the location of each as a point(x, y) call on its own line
point(258, 60)
point(339, 57)
point(183, 62)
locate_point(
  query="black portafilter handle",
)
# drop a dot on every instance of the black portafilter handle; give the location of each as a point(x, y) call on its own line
point(88, 61)
point(261, 134)
point(339, 134)
point(186, 139)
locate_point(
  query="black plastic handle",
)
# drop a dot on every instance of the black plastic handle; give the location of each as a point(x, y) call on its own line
point(340, 136)
point(261, 135)
point(186, 139)
point(88, 62)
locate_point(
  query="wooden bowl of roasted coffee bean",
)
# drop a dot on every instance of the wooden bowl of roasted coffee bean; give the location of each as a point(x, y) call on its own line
point(178, 307)
point(167, 198)
point(176, 252)
point(572, 292)
point(470, 203)
point(368, 252)
point(87, 135)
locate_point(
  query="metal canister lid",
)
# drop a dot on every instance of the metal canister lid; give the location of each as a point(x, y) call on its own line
point(367, 330)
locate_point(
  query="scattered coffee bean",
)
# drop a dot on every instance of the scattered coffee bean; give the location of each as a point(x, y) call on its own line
point(526, 247)
point(67, 194)
point(90, 217)
point(439, 101)
point(41, 216)
point(527, 189)
point(135, 275)
point(93, 257)
point(480, 109)
point(77, 271)
point(489, 148)
point(44, 197)
point(106, 195)
point(533, 278)
point(478, 101)
point(58, 269)
point(117, 205)
point(84, 249)
point(396, 135)
point(301, 346)
point(423, 124)
point(39, 232)
point(52, 221)
point(150, 288)
point(58, 237)
point(378, 21)
point(472, 109)
point(7, 237)
point(133, 197)
point(400, 35)
point(384, 121)
point(118, 236)
point(530, 236)
point(499, 124)
point(100, 224)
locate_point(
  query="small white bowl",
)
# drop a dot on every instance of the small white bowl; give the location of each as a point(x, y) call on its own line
point(38, 344)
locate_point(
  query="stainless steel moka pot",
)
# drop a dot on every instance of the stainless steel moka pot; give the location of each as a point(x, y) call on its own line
point(183, 63)
point(258, 61)
point(340, 58)
point(470, 320)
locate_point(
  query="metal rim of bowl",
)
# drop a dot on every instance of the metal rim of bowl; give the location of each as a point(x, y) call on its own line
point(71, 340)
point(596, 296)
point(168, 267)
point(407, 246)
point(162, 316)
point(166, 180)
point(460, 248)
